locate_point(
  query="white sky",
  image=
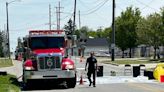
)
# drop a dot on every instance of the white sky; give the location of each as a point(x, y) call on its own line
point(33, 14)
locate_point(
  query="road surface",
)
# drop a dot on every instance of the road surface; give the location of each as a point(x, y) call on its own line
point(106, 83)
point(115, 87)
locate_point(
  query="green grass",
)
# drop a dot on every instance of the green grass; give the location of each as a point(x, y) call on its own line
point(5, 62)
point(129, 62)
point(9, 83)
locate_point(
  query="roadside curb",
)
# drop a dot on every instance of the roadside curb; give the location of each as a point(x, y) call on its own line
point(111, 64)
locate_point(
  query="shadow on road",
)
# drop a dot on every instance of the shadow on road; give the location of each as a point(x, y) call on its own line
point(42, 86)
point(38, 85)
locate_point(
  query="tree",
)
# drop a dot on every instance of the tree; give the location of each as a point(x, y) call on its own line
point(121, 35)
point(69, 27)
point(92, 34)
point(126, 36)
point(19, 44)
point(162, 29)
point(107, 33)
point(84, 31)
point(1, 42)
point(149, 31)
point(99, 33)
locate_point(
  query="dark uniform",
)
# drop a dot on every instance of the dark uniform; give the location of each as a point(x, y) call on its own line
point(92, 67)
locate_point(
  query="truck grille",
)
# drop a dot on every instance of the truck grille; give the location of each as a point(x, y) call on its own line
point(49, 62)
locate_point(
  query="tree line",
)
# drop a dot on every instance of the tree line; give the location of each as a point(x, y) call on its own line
point(132, 29)
point(2, 44)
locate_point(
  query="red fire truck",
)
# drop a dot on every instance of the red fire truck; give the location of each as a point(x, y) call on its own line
point(47, 61)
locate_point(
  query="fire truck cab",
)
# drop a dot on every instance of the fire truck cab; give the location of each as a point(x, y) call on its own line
point(45, 58)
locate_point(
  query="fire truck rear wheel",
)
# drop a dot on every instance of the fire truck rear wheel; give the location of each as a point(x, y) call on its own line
point(71, 83)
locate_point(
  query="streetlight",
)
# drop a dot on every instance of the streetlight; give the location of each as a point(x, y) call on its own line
point(7, 16)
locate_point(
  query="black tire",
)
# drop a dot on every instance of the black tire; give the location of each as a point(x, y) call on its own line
point(26, 86)
point(71, 83)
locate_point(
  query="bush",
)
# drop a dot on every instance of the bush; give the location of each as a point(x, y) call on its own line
point(9, 83)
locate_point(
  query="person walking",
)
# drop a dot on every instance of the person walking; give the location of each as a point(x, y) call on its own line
point(91, 63)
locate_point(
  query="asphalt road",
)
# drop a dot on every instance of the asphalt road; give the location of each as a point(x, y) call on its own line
point(104, 84)
point(121, 87)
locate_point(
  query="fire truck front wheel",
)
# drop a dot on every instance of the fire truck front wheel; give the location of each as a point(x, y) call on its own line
point(71, 83)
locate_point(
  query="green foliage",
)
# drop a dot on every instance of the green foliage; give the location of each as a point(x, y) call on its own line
point(162, 26)
point(107, 32)
point(100, 33)
point(92, 34)
point(148, 30)
point(85, 32)
point(77, 33)
point(126, 36)
point(69, 27)
point(9, 83)
point(5, 62)
point(1, 47)
point(129, 62)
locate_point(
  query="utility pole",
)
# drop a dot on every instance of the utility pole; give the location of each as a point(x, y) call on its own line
point(74, 20)
point(7, 22)
point(74, 17)
point(113, 33)
point(59, 15)
point(50, 17)
point(58, 11)
point(79, 20)
point(8, 35)
point(57, 18)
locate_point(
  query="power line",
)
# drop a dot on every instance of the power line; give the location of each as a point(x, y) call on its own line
point(91, 2)
point(146, 5)
point(82, 3)
point(66, 17)
point(96, 8)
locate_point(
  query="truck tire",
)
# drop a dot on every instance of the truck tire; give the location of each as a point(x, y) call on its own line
point(26, 86)
point(71, 83)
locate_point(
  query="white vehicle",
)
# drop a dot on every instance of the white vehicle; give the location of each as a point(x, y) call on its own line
point(102, 54)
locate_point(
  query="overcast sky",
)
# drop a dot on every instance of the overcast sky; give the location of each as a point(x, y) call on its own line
point(25, 15)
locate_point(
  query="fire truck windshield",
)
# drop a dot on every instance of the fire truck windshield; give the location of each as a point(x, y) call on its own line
point(46, 42)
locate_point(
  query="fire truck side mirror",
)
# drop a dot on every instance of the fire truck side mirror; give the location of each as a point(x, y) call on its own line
point(25, 42)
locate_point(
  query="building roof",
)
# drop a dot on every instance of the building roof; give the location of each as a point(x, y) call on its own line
point(97, 42)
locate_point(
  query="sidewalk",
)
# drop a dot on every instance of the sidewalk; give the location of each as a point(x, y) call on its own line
point(16, 69)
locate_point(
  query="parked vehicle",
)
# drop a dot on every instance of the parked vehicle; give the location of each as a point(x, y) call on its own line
point(102, 54)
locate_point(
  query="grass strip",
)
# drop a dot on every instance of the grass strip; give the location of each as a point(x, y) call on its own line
point(9, 83)
point(128, 62)
point(5, 62)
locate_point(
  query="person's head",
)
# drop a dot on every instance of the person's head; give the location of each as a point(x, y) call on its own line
point(92, 54)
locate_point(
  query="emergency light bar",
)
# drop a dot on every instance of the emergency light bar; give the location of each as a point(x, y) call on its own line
point(46, 32)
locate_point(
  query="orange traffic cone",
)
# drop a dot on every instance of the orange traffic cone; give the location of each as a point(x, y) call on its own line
point(81, 80)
